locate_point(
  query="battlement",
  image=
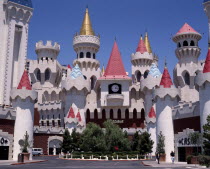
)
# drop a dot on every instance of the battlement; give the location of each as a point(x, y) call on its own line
point(49, 45)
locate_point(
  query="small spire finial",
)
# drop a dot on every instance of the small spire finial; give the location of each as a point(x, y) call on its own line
point(87, 6)
point(165, 62)
point(115, 38)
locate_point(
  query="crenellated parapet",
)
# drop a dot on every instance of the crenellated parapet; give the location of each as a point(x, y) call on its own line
point(86, 63)
point(23, 94)
point(141, 58)
point(150, 82)
point(49, 50)
point(162, 92)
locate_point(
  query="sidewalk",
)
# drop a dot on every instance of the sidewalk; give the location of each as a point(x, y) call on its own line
point(11, 162)
point(170, 165)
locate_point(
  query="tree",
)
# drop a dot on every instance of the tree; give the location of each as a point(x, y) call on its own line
point(115, 137)
point(67, 141)
point(75, 139)
point(145, 143)
point(195, 139)
point(93, 138)
point(161, 143)
point(135, 142)
point(206, 136)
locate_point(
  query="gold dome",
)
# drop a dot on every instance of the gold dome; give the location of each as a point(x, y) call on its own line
point(147, 43)
point(86, 28)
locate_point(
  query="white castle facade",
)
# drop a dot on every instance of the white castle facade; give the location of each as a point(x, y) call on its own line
point(44, 97)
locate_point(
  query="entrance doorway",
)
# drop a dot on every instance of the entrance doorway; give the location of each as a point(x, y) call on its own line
point(4, 152)
point(181, 154)
point(54, 147)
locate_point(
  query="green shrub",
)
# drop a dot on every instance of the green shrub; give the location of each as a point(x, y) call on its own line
point(109, 157)
point(189, 159)
point(204, 160)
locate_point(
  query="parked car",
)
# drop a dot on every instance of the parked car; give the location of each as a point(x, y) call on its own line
point(37, 151)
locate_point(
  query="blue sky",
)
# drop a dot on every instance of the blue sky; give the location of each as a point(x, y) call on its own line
point(59, 20)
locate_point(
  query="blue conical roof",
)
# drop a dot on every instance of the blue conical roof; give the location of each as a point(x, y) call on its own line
point(76, 72)
point(27, 3)
point(154, 71)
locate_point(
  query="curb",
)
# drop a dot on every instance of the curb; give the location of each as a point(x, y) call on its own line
point(29, 162)
point(146, 165)
point(93, 160)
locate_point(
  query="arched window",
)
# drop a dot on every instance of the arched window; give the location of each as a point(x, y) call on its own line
point(47, 75)
point(88, 55)
point(95, 114)
point(94, 56)
point(87, 114)
point(138, 76)
point(81, 55)
point(192, 43)
point(187, 78)
point(119, 114)
point(134, 114)
point(145, 74)
point(111, 114)
point(126, 114)
point(185, 43)
point(133, 93)
point(85, 77)
point(93, 81)
point(53, 96)
point(103, 114)
point(38, 75)
point(179, 45)
point(142, 114)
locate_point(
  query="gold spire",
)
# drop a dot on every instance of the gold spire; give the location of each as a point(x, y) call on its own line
point(147, 43)
point(86, 28)
point(103, 70)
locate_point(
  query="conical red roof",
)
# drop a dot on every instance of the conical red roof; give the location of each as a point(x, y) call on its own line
point(69, 67)
point(186, 29)
point(25, 82)
point(206, 68)
point(141, 46)
point(79, 116)
point(71, 113)
point(152, 113)
point(166, 81)
point(115, 67)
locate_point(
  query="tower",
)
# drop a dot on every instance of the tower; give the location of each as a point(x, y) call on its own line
point(86, 44)
point(14, 25)
point(166, 96)
point(203, 78)
point(187, 52)
point(23, 99)
point(141, 60)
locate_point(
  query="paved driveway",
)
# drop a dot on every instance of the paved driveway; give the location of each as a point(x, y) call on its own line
point(54, 163)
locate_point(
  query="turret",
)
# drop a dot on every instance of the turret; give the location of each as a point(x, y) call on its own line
point(141, 60)
point(187, 52)
point(76, 88)
point(166, 96)
point(23, 99)
point(115, 82)
point(46, 70)
point(14, 24)
point(86, 44)
point(147, 87)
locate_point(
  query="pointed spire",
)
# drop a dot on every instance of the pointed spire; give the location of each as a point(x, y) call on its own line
point(147, 43)
point(186, 29)
point(103, 70)
point(166, 81)
point(86, 28)
point(206, 68)
point(71, 113)
point(115, 65)
point(152, 113)
point(141, 46)
point(25, 82)
point(79, 117)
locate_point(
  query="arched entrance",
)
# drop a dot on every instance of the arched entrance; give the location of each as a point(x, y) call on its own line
point(54, 145)
point(6, 144)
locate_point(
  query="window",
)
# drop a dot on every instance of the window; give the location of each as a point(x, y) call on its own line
point(47, 75)
point(119, 114)
point(111, 114)
point(145, 74)
point(59, 123)
point(103, 114)
point(48, 124)
point(185, 43)
point(38, 75)
point(88, 114)
point(138, 76)
point(53, 123)
point(81, 55)
point(88, 55)
point(192, 43)
point(142, 114)
point(95, 114)
point(94, 56)
point(187, 78)
point(93, 81)
point(179, 45)
point(126, 114)
point(42, 123)
point(134, 114)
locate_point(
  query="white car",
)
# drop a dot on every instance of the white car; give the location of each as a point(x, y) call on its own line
point(37, 151)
